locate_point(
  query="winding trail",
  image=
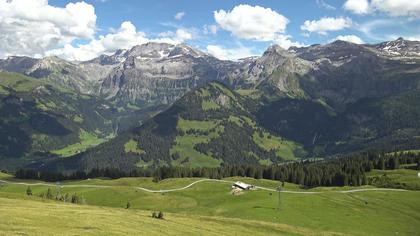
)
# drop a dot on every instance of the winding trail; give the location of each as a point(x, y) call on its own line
point(196, 182)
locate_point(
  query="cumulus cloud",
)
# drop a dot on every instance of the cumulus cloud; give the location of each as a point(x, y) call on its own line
point(179, 15)
point(357, 6)
point(210, 29)
point(285, 42)
point(350, 38)
point(410, 8)
point(229, 53)
point(252, 22)
point(125, 37)
point(174, 37)
point(33, 27)
point(325, 24)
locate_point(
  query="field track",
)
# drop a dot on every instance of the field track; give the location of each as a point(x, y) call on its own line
point(199, 181)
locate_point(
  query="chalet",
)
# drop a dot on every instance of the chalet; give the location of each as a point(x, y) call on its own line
point(242, 186)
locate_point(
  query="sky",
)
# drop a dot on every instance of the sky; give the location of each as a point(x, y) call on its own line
point(228, 29)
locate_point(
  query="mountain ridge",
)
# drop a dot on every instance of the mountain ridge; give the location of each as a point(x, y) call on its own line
point(318, 96)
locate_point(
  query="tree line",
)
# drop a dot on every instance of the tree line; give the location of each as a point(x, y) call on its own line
point(340, 171)
point(74, 198)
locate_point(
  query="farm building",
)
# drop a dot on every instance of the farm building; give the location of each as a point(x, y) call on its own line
point(242, 186)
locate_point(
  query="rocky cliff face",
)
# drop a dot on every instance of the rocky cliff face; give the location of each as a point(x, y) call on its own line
point(152, 74)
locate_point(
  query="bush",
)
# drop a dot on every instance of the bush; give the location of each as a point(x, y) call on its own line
point(29, 191)
point(157, 215)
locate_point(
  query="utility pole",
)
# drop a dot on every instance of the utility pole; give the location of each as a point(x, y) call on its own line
point(279, 200)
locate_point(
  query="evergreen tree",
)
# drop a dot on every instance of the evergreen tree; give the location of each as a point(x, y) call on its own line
point(418, 163)
point(381, 163)
point(29, 191)
point(128, 205)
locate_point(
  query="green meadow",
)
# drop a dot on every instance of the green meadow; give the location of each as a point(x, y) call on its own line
point(87, 140)
point(257, 212)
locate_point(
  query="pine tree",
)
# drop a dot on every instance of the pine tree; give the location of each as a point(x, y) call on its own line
point(364, 180)
point(29, 191)
point(418, 163)
point(382, 163)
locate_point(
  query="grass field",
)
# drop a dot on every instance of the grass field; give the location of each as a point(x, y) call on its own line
point(402, 178)
point(131, 146)
point(184, 146)
point(358, 213)
point(27, 217)
point(18, 82)
point(86, 140)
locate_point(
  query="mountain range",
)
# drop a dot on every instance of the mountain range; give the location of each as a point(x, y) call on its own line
point(159, 104)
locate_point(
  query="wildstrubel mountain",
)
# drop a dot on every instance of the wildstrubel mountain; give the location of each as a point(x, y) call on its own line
point(311, 101)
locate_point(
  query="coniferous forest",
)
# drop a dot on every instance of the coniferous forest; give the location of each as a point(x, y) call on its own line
point(340, 171)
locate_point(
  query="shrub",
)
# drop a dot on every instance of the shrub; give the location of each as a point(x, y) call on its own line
point(157, 215)
point(29, 191)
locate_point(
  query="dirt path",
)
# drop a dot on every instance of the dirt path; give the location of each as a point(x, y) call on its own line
point(194, 183)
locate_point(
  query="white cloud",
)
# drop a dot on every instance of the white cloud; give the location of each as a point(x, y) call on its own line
point(325, 24)
point(179, 15)
point(179, 36)
point(125, 37)
point(252, 22)
point(210, 29)
point(33, 27)
point(285, 42)
point(357, 6)
point(229, 53)
point(325, 5)
point(375, 29)
point(350, 38)
point(410, 8)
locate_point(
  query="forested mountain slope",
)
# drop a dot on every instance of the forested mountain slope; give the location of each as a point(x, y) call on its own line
point(206, 127)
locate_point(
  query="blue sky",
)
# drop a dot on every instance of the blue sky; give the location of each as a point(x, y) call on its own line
point(227, 29)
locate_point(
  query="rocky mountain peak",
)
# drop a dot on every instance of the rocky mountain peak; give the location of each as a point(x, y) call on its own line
point(150, 50)
point(400, 47)
point(276, 50)
point(184, 49)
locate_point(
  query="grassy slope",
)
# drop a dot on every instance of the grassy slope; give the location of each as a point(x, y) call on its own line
point(402, 178)
point(47, 118)
point(86, 140)
point(39, 218)
point(185, 144)
point(384, 214)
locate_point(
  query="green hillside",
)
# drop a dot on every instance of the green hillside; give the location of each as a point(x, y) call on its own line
point(327, 211)
point(42, 121)
point(382, 123)
point(206, 127)
point(40, 216)
point(38, 118)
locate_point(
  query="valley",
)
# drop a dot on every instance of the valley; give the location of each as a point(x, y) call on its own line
point(209, 117)
point(284, 105)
